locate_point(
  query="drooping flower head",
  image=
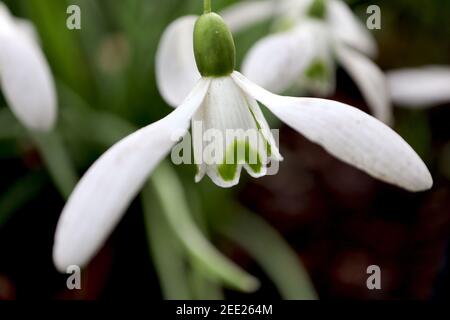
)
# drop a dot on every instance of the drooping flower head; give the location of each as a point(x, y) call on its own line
point(221, 100)
point(25, 78)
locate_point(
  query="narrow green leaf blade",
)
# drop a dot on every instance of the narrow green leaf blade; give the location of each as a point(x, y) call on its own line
point(57, 161)
point(273, 254)
point(21, 192)
point(168, 255)
point(172, 198)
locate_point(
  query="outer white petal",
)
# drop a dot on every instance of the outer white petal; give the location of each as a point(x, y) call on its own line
point(370, 80)
point(6, 20)
point(246, 13)
point(176, 70)
point(105, 191)
point(350, 135)
point(277, 61)
point(25, 77)
point(291, 11)
point(421, 87)
point(28, 29)
point(349, 29)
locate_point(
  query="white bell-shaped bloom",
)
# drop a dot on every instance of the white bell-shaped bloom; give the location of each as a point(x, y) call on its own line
point(227, 107)
point(25, 77)
point(418, 88)
point(228, 101)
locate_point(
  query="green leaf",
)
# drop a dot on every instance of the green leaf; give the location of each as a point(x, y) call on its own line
point(9, 126)
point(81, 121)
point(168, 255)
point(51, 148)
point(61, 45)
point(272, 253)
point(57, 161)
point(21, 192)
point(175, 205)
point(202, 287)
point(417, 135)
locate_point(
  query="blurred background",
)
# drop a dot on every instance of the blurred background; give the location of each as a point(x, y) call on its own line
point(337, 220)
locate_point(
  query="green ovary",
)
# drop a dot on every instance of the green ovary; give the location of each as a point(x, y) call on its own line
point(317, 70)
point(239, 152)
point(214, 49)
point(318, 9)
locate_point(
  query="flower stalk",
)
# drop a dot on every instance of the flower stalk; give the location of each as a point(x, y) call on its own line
point(206, 6)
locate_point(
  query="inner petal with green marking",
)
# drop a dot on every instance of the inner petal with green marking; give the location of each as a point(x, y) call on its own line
point(239, 153)
point(319, 76)
point(317, 70)
point(229, 133)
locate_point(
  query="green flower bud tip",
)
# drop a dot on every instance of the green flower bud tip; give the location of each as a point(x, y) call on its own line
point(214, 49)
point(318, 9)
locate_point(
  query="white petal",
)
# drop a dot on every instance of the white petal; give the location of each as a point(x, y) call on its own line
point(321, 50)
point(370, 80)
point(290, 11)
point(350, 135)
point(6, 20)
point(349, 29)
point(176, 70)
point(105, 191)
point(8, 23)
point(277, 61)
point(265, 129)
point(28, 29)
point(421, 87)
point(25, 78)
point(247, 13)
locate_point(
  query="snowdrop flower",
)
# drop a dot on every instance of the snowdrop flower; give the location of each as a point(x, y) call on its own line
point(25, 77)
point(222, 98)
point(314, 35)
point(420, 87)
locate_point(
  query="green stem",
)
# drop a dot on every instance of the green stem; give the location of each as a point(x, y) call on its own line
point(206, 6)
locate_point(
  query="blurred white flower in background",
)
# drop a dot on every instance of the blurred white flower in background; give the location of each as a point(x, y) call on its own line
point(25, 77)
point(419, 88)
point(222, 99)
point(311, 35)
